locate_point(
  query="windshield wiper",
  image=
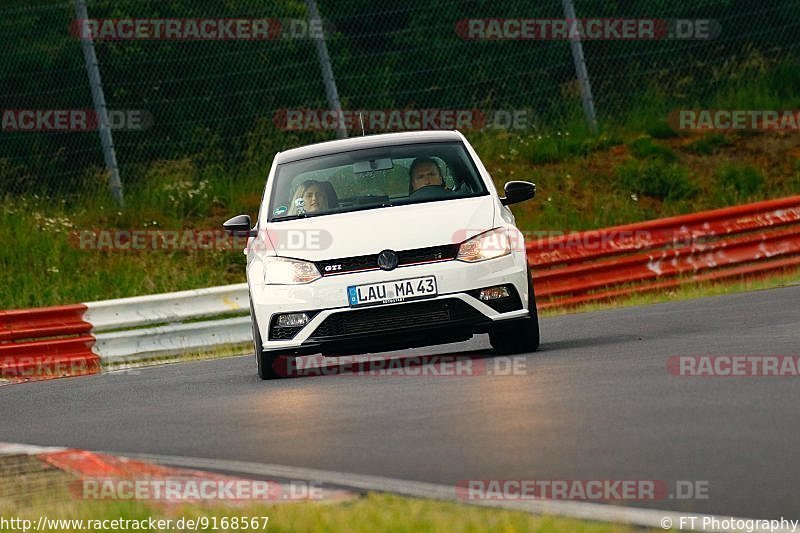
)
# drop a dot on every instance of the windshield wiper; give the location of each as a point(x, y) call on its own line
point(335, 211)
point(295, 217)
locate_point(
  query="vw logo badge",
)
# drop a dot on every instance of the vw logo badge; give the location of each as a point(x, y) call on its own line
point(387, 260)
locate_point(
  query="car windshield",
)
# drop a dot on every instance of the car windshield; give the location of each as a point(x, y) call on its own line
point(373, 178)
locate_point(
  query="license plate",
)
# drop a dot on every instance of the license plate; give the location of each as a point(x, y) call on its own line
point(391, 291)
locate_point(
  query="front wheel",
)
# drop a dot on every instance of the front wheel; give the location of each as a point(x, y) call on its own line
point(518, 336)
point(264, 360)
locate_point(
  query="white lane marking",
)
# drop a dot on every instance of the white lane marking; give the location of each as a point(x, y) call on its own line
point(598, 512)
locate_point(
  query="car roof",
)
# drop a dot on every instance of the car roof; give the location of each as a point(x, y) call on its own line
point(369, 141)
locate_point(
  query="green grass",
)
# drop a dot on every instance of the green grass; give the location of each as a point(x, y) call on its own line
point(43, 263)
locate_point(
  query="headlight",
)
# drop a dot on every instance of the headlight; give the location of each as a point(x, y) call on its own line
point(487, 245)
point(284, 271)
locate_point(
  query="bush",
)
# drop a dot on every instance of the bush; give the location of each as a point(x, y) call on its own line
point(660, 129)
point(708, 144)
point(740, 181)
point(657, 179)
point(645, 148)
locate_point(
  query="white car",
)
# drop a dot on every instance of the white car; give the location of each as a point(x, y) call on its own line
point(385, 242)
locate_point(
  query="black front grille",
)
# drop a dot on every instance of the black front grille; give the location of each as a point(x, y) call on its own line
point(332, 267)
point(422, 255)
point(283, 334)
point(396, 317)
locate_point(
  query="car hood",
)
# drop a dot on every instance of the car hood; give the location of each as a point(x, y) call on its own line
point(366, 232)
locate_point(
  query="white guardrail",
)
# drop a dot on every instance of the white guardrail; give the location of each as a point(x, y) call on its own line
point(121, 330)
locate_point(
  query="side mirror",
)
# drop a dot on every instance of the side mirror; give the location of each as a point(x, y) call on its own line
point(518, 191)
point(239, 226)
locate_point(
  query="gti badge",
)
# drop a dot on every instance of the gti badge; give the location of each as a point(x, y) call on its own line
point(387, 260)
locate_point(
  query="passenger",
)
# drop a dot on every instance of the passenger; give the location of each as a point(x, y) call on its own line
point(312, 196)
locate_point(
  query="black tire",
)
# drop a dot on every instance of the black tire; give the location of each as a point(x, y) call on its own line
point(264, 360)
point(518, 336)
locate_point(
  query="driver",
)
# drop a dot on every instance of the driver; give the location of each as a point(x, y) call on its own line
point(425, 172)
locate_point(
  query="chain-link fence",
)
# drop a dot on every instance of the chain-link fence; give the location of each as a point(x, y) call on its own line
point(223, 102)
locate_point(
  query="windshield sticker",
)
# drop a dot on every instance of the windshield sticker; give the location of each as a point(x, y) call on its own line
point(280, 210)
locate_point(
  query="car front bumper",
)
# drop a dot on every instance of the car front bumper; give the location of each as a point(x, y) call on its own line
point(336, 328)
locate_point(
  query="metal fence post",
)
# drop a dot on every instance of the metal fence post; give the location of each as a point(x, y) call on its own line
point(325, 65)
point(99, 101)
point(581, 71)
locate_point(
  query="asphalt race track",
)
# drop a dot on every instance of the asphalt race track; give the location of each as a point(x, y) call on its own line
point(596, 402)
